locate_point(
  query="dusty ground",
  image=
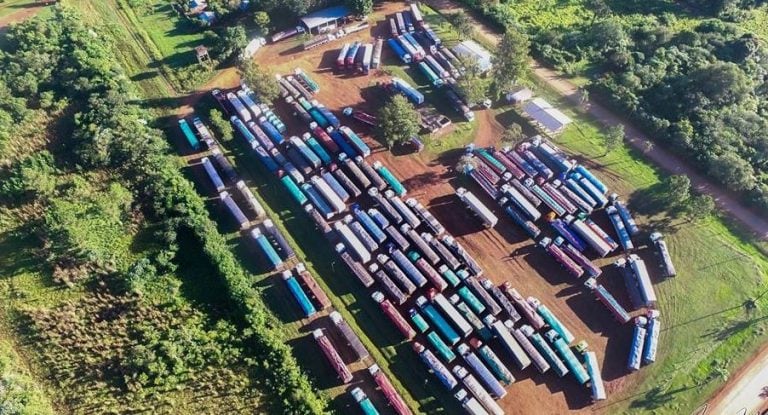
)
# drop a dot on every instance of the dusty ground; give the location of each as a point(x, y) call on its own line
point(505, 253)
point(747, 389)
point(18, 16)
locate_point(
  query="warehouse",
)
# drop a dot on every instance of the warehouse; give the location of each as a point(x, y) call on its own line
point(471, 50)
point(545, 115)
point(326, 20)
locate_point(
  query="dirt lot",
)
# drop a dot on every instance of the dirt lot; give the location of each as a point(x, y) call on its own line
point(505, 253)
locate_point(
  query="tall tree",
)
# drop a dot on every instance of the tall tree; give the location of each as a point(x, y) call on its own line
point(511, 60)
point(361, 7)
point(677, 190)
point(222, 126)
point(613, 138)
point(472, 85)
point(513, 135)
point(398, 121)
point(699, 207)
point(261, 80)
point(232, 41)
point(462, 23)
point(263, 22)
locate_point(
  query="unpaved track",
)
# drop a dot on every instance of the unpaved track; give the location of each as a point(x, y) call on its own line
point(746, 390)
point(725, 200)
point(18, 16)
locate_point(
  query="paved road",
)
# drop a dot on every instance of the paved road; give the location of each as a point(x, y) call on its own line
point(725, 200)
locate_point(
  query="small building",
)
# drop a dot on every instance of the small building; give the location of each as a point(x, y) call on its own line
point(326, 20)
point(469, 49)
point(519, 95)
point(545, 115)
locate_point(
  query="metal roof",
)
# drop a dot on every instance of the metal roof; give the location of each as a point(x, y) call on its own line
point(545, 114)
point(321, 17)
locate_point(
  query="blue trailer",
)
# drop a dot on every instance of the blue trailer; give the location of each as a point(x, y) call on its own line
point(621, 230)
point(629, 221)
point(271, 131)
point(370, 225)
point(493, 385)
point(242, 129)
point(261, 137)
point(356, 141)
point(407, 266)
point(317, 200)
point(266, 159)
point(335, 186)
point(189, 135)
point(554, 156)
point(266, 248)
point(298, 293)
point(562, 228)
point(212, 174)
point(305, 152)
point(638, 343)
point(542, 168)
point(410, 92)
point(399, 51)
point(528, 226)
point(520, 162)
point(318, 149)
point(592, 178)
point(652, 338)
point(436, 366)
point(579, 190)
point(327, 114)
point(397, 273)
point(590, 188)
point(343, 144)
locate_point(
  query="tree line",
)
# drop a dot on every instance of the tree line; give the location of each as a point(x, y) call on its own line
point(58, 59)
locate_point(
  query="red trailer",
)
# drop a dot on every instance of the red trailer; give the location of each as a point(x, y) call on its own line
point(332, 355)
point(394, 398)
point(309, 281)
point(397, 319)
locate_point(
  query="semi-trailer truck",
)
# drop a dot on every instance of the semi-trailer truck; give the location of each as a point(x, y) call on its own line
point(608, 300)
point(332, 355)
point(435, 366)
point(486, 216)
point(298, 293)
point(391, 312)
point(394, 398)
point(357, 269)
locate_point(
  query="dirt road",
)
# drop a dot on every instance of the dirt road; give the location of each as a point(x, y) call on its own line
point(748, 389)
point(725, 200)
point(18, 16)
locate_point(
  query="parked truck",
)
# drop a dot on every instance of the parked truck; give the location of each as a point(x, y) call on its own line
point(370, 244)
point(518, 185)
point(360, 177)
point(298, 293)
point(524, 165)
point(511, 345)
point(521, 202)
point(565, 352)
point(395, 293)
point(590, 188)
point(364, 402)
point(463, 326)
point(638, 343)
point(526, 309)
point(544, 350)
point(501, 298)
point(471, 317)
point(349, 335)
point(458, 104)
point(449, 275)
point(471, 383)
point(414, 276)
point(553, 321)
point(253, 203)
point(376, 180)
point(443, 349)
point(399, 50)
point(621, 230)
point(390, 178)
point(490, 358)
point(490, 303)
point(559, 197)
point(555, 252)
point(386, 206)
point(435, 366)
point(391, 312)
point(652, 337)
point(512, 169)
point(318, 218)
point(234, 210)
point(428, 271)
point(422, 212)
point(394, 398)
point(189, 135)
point(212, 174)
point(548, 200)
point(644, 283)
point(334, 184)
point(239, 108)
point(293, 189)
point(469, 403)
point(587, 233)
point(314, 289)
point(608, 300)
point(596, 378)
point(285, 248)
point(377, 49)
point(459, 250)
point(591, 269)
point(332, 355)
point(630, 282)
point(568, 234)
point(357, 269)
point(420, 243)
point(345, 181)
point(317, 200)
point(410, 92)
point(486, 216)
point(667, 267)
point(537, 359)
point(470, 358)
point(352, 242)
point(438, 321)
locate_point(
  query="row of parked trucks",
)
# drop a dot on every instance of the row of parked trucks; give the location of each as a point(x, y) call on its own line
point(360, 57)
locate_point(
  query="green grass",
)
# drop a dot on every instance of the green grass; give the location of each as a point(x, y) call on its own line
point(13, 6)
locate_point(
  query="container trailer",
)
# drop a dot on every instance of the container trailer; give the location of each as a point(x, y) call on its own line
point(420, 53)
point(469, 403)
point(474, 303)
point(517, 159)
point(449, 275)
point(626, 217)
point(234, 209)
point(471, 383)
point(548, 200)
point(568, 234)
point(309, 281)
point(438, 321)
point(327, 114)
point(446, 63)
point(370, 225)
point(621, 230)
point(394, 292)
point(494, 387)
point(334, 184)
point(397, 319)
point(471, 317)
point(239, 108)
point(305, 151)
point(553, 321)
point(271, 131)
point(521, 202)
point(554, 155)
point(667, 267)
point(332, 355)
point(436, 67)
point(394, 398)
point(253, 203)
point(299, 87)
point(349, 60)
point(365, 66)
point(518, 185)
point(376, 180)
point(390, 178)
point(485, 169)
point(511, 345)
point(420, 243)
point(364, 402)
point(212, 174)
point(490, 303)
point(410, 275)
point(416, 56)
point(526, 224)
point(647, 292)
point(410, 92)
point(249, 103)
point(512, 169)
point(526, 309)
point(537, 359)
point(652, 337)
point(189, 135)
point(435, 366)
point(630, 282)
point(386, 206)
point(459, 250)
point(357, 269)
point(345, 181)
point(285, 248)
point(596, 382)
point(317, 200)
point(500, 371)
point(559, 197)
point(436, 227)
point(293, 189)
point(428, 271)
point(325, 139)
point(266, 248)
point(545, 350)
point(416, 14)
point(358, 174)
point(397, 237)
point(224, 165)
point(342, 144)
point(589, 236)
point(582, 204)
point(497, 166)
point(608, 300)
point(575, 187)
point(638, 343)
point(570, 360)
point(501, 298)
point(555, 252)
point(352, 242)
point(545, 172)
point(399, 51)
point(455, 100)
point(376, 58)
point(298, 293)
point(318, 218)
point(297, 160)
point(592, 179)
point(591, 269)
point(483, 182)
point(400, 23)
point(590, 188)
point(599, 231)
point(441, 250)
point(486, 216)
point(328, 194)
point(349, 335)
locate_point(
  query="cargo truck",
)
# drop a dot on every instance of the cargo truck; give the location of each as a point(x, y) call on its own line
point(293, 189)
point(596, 378)
point(399, 51)
point(608, 300)
point(370, 225)
point(521, 202)
point(545, 172)
point(438, 321)
point(328, 194)
point(652, 337)
point(261, 138)
point(582, 204)
point(501, 298)
point(621, 230)
point(647, 293)
point(494, 387)
point(486, 216)
point(485, 297)
point(527, 225)
point(599, 231)
point(548, 200)
point(352, 242)
point(435, 366)
point(285, 34)
point(358, 174)
point(317, 200)
point(553, 321)
point(469, 403)
point(289, 88)
point(332, 355)
point(471, 317)
point(493, 362)
point(591, 269)
point(239, 108)
point(296, 159)
point(234, 210)
point(397, 237)
point(420, 243)
point(544, 350)
point(410, 92)
point(408, 22)
point(212, 174)
point(524, 165)
point(386, 206)
point(443, 349)
point(400, 22)
point(376, 180)
point(327, 114)
point(394, 398)
point(638, 342)
point(537, 359)
point(224, 165)
point(535, 201)
point(364, 402)
point(555, 252)
point(441, 250)
point(436, 67)
point(482, 181)
point(590, 188)
point(414, 277)
point(667, 267)
point(285, 248)
point(345, 181)
point(510, 344)
point(477, 390)
point(390, 178)
point(253, 203)
point(457, 103)
point(565, 352)
point(459, 250)
point(554, 155)
point(418, 19)
point(568, 234)
point(334, 184)
point(626, 217)
point(357, 269)
point(559, 197)
point(342, 144)
point(324, 139)
point(394, 292)
point(436, 227)
point(349, 60)
point(314, 289)
point(526, 309)
point(575, 187)
point(588, 235)
point(298, 293)
point(420, 53)
point(349, 336)
point(630, 282)
point(376, 58)
point(249, 103)
point(189, 135)
point(431, 76)
point(511, 167)
point(464, 328)
point(319, 220)
point(271, 131)
point(592, 179)
point(365, 67)
point(428, 271)
point(421, 325)
point(449, 275)
point(306, 152)
point(391, 312)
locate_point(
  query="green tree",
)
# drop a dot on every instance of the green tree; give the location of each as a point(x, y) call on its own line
point(222, 126)
point(398, 121)
point(361, 7)
point(232, 41)
point(511, 60)
point(263, 22)
point(461, 23)
point(613, 138)
point(261, 80)
point(733, 171)
point(699, 207)
point(677, 190)
point(513, 135)
point(466, 161)
point(472, 85)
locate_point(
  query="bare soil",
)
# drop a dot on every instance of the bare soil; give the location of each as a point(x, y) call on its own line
point(18, 16)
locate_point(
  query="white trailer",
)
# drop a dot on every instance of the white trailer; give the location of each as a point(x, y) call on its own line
point(489, 219)
point(328, 193)
point(240, 109)
point(251, 199)
point(477, 389)
point(456, 318)
point(510, 344)
point(643, 280)
point(352, 243)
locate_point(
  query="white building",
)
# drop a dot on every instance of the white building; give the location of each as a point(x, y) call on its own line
point(471, 50)
point(545, 115)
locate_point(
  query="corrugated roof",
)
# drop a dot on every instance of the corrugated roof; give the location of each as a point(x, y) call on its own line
point(472, 49)
point(321, 17)
point(545, 114)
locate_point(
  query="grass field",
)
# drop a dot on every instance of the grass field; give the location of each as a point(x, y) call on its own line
point(13, 6)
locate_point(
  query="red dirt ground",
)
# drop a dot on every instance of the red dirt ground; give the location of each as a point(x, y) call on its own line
point(505, 252)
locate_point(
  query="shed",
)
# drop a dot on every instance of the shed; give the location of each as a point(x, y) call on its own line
point(325, 20)
point(545, 115)
point(470, 49)
point(520, 95)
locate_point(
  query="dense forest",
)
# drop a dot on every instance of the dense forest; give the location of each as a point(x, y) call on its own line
point(85, 175)
point(698, 87)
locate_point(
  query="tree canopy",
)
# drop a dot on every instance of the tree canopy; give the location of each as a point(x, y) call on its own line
point(398, 121)
point(511, 60)
point(260, 79)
